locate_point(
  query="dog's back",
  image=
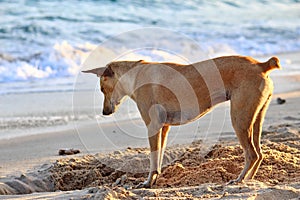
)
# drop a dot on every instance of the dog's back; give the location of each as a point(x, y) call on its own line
point(211, 81)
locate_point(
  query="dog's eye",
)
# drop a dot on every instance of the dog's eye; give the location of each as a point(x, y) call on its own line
point(102, 89)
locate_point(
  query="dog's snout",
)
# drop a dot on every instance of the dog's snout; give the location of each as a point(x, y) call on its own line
point(106, 112)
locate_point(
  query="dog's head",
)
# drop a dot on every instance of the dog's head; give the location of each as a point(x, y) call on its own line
point(113, 92)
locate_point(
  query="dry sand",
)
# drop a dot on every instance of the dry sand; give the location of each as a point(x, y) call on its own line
point(30, 167)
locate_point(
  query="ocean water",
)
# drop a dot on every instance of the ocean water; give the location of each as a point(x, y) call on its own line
point(42, 40)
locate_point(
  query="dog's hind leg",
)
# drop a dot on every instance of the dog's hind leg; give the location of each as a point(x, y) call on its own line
point(244, 110)
point(257, 129)
point(164, 136)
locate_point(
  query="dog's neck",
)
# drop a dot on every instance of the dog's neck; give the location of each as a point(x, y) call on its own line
point(126, 72)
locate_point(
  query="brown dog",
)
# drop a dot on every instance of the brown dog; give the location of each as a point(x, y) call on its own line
point(172, 94)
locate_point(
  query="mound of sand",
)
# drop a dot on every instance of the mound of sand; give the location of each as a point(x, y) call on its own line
point(224, 163)
point(126, 168)
point(187, 172)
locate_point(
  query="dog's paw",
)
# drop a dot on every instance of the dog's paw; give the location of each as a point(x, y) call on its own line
point(232, 182)
point(145, 184)
point(235, 182)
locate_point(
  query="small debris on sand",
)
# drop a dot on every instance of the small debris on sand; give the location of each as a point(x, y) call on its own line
point(280, 101)
point(63, 152)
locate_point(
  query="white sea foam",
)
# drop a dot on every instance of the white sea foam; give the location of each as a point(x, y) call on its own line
point(25, 71)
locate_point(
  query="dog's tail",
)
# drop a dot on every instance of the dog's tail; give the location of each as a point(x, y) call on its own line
point(272, 63)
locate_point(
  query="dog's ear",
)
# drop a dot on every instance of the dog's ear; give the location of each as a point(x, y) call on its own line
point(108, 72)
point(102, 71)
point(98, 71)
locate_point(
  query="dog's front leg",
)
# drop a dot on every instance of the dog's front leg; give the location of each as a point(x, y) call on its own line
point(154, 120)
point(155, 147)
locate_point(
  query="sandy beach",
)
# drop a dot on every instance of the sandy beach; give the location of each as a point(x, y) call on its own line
point(200, 159)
